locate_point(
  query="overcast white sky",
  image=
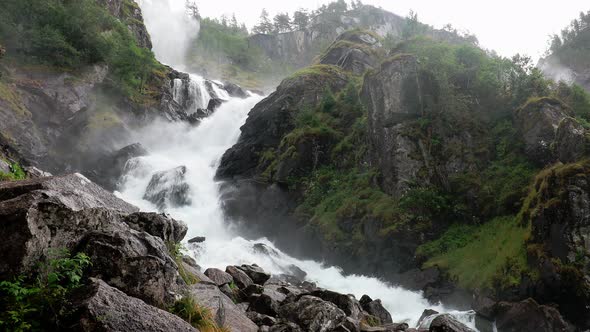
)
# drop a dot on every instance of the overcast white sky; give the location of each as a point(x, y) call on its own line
point(507, 26)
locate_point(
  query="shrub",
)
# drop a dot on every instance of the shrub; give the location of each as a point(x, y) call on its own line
point(197, 315)
point(40, 301)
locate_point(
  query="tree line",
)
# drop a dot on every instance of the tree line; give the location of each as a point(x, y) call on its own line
point(571, 33)
point(283, 22)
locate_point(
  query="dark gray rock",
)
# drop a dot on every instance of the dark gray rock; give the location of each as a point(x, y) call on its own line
point(313, 314)
point(376, 309)
point(273, 118)
point(255, 273)
point(137, 263)
point(347, 303)
point(235, 90)
point(104, 308)
point(168, 189)
point(56, 212)
point(392, 97)
point(549, 132)
point(265, 305)
point(354, 51)
point(241, 279)
point(260, 319)
point(447, 323)
point(528, 315)
point(219, 277)
point(108, 170)
point(426, 313)
point(197, 239)
point(160, 225)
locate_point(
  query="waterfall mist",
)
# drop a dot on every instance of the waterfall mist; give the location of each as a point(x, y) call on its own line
point(171, 29)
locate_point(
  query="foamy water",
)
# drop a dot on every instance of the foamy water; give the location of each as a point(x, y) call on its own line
point(200, 149)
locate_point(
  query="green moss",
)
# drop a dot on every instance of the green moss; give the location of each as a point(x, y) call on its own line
point(535, 103)
point(550, 188)
point(16, 173)
point(319, 72)
point(486, 256)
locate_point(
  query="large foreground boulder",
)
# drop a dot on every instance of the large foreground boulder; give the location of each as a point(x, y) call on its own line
point(127, 248)
point(104, 308)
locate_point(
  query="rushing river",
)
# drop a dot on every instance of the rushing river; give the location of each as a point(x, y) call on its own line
point(199, 149)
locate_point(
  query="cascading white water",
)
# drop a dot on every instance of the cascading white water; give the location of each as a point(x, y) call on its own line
point(200, 149)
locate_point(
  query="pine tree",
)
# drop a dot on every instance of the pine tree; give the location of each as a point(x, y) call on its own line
point(264, 26)
point(282, 22)
point(300, 19)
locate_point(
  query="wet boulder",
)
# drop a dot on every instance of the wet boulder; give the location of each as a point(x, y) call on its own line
point(219, 277)
point(375, 308)
point(101, 307)
point(448, 323)
point(168, 189)
point(255, 273)
point(240, 278)
point(108, 170)
point(235, 90)
point(313, 314)
point(160, 225)
point(346, 303)
point(265, 305)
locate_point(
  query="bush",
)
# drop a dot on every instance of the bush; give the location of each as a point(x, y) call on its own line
point(16, 173)
point(40, 301)
point(70, 34)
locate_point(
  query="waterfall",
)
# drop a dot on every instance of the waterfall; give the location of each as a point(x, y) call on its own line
point(199, 149)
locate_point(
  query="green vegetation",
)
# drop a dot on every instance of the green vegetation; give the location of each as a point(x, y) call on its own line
point(573, 46)
point(176, 250)
point(196, 315)
point(16, 173)
point(70, 34)
point(224, 50)
point(39, 302)
point(492, 255)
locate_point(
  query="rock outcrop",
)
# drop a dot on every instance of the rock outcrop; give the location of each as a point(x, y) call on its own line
point(298, 48)
point(104, 308)
point(130, 13)
point(70, 212)
point(550, 132)
point(354, 51)
point(274, 117)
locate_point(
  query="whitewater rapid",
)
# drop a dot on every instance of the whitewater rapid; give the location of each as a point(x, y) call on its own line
point(199, 149)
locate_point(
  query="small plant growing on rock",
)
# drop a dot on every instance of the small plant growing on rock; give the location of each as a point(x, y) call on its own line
point(196, 315)
point(40, 301)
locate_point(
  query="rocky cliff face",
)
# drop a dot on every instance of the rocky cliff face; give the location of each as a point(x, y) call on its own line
point(299, 48)
point(129, 12)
